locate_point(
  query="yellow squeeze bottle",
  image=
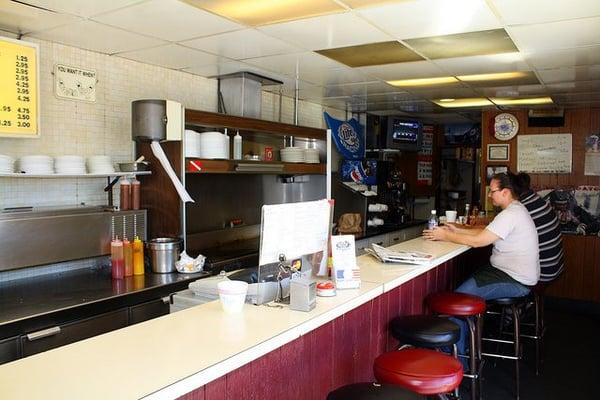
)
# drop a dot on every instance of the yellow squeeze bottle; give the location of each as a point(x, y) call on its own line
point(138, 256)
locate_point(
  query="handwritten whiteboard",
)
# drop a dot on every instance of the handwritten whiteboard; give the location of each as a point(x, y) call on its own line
point(545, 153)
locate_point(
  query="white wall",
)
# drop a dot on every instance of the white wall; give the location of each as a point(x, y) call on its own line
point(104, 127)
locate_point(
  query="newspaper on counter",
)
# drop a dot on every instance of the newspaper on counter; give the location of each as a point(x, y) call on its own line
point(401, 257)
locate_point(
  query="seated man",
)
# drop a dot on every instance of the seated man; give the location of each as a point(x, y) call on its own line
point(548, 229)
point(514, 264)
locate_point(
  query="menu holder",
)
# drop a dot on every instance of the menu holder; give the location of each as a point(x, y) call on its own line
point(401, 257)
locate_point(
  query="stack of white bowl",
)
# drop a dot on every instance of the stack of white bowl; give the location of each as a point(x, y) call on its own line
point(36, 165)
point(214, 145)
point(73, 165)
point(292, 154)
point(311, 156)
point(192, 143)
point(100, 165)
point(7, 164)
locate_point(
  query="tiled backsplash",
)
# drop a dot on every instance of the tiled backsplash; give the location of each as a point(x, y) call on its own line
point(104, 127)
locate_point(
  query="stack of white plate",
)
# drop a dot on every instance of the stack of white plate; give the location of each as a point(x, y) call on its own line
point(100, 165)
point(37, 165)
point(74, 165)
point(214, 145)
point(7, 164)
point(311, 156)
point(292, 155)
point(192, 143)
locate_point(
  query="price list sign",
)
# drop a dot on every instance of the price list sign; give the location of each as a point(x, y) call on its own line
point(18, 88)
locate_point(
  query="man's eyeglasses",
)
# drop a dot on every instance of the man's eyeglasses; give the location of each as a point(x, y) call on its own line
point(494, 191)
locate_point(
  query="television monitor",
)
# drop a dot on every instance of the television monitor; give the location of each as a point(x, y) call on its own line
point(403, 134)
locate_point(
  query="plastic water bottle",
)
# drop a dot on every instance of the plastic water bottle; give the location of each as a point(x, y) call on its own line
point(433, 220)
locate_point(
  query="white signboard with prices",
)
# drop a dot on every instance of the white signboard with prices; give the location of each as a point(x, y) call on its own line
point(74, 83)
point(549, 154)
point(345, 271)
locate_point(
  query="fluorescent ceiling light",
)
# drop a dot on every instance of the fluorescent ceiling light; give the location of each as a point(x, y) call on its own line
point(423, 81)
point(263, 12)
point(468, 102)
point(492, 77)
point(526, 101)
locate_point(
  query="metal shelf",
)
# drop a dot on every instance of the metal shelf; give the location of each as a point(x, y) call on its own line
point(55, 176)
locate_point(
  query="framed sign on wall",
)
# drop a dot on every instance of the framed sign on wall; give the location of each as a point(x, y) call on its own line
point(498, 152)
point(19, 88)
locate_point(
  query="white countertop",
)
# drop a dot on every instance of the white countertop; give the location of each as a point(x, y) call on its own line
point(169, 356)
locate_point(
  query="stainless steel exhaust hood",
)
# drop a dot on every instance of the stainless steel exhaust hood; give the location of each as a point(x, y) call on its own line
point(240, 93)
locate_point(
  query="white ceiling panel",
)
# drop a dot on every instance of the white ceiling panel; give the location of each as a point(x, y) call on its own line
point(577, 86)
point(556, 35)
point(326, 32)
point(90, 35)
point(238, 45)
point(286, 63)
point(506, 62)
point(444, 93)
point(409, 70)
point(518, 12)
point(565, 58)
point(19, 18)
point(167, 19)
point(171, 56)
point(81, 7)
point(513, 91)
point(224, 67)
point(390, 97)
point(583, 73)
point(416, 19)
point(335, 76)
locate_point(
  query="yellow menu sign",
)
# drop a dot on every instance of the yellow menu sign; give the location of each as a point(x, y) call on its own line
point(18, 88)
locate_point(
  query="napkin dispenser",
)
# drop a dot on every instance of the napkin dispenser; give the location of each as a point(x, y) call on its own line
point(303, 293)
point(156, 120)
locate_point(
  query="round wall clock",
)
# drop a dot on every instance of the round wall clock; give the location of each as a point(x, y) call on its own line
point(506, 126)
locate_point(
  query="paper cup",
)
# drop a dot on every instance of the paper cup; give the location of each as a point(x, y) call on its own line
point(232, 295)
point(451, 216)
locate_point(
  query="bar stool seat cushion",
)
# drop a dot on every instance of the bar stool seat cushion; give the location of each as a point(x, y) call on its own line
point(423, 371)
point(507, 301)
point(373, 391)
point(425, 331)
point(453, 303)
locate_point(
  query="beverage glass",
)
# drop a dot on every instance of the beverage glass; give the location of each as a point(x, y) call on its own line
point(451, 216)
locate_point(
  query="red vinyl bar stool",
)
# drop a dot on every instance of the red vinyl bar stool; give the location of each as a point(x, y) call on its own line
point(471, 309)
point(373, 391)
point(422, 371)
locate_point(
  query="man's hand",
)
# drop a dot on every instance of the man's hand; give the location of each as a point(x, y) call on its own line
point(439, 233)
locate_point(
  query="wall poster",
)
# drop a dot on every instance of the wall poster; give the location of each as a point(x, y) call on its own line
point(74, 83)
point(545, 154)
point(19, 88)
point(592, 155)
point(425, 158)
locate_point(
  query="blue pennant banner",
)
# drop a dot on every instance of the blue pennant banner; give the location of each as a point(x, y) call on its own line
point(347, 136)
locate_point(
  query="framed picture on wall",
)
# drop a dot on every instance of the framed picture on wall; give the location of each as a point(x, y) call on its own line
point(491, 170)
point(498, 152)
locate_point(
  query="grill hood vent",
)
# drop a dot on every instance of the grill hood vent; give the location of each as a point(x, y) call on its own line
point(240, 93)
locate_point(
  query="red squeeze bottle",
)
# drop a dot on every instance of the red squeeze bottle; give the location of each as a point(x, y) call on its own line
point(116, 259)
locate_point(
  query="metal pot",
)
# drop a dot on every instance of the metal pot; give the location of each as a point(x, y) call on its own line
point(134, 166)
point(164, 252)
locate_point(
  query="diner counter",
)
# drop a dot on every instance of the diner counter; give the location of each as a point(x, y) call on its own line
point(172, 355)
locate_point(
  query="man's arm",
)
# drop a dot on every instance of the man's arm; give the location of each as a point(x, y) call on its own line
point(482, 238)
point(471, 230)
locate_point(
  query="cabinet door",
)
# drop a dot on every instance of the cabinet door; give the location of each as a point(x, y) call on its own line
point(381, 240)
point(10, 350)
point(396, 237)
point(414, 232)
point(145, 311)
point(46, 339)
point(360, 246)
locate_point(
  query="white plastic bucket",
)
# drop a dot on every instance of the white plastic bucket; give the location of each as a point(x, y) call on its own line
point(232, 295)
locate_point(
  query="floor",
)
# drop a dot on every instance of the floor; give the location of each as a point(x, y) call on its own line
point(571, 368)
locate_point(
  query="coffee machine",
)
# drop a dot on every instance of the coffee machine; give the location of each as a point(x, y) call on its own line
point(392, 190)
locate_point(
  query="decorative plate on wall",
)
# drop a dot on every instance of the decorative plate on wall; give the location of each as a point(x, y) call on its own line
point(506, 126)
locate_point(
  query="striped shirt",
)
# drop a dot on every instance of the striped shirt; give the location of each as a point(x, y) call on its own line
point(549, 236)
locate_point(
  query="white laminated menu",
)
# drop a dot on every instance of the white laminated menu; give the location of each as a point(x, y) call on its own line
point(345, 271)
point(401, 257)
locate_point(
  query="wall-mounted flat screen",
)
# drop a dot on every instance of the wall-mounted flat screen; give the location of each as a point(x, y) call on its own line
point(404, 134)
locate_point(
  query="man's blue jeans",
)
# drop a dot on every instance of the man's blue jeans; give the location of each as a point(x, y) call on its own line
point(488, 292)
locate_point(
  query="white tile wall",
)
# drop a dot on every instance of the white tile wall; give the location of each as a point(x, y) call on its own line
point(104, 127)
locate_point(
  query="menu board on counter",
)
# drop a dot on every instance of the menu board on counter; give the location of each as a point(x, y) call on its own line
point(19, 107)
point(545, 154)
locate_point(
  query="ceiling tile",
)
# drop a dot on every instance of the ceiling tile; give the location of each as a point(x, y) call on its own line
point(167, 19)
point(582, 73)
point(326, 32)
point(82, 8)
point(222, 67)
point(286, 63)
point(513, 91)
point(238, 45)
point(171, 56)
point(372, 54)
point(416, 19)
point(390, 97)
point(505, 62)
point(502, 79)
point(556, 35)
point(408, 70)
point(518, 12)
point(571, 97)
point(575, 86)
point(588, 55)
point(20, 18)
point(93, 36)
point(335, 76)
point(445, 93)
point(464, 44)
point(261, 12)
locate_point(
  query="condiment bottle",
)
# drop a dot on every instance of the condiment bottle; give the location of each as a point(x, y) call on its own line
point(135, 194)
point(467, 213)
point(237, 146)
point(125, 195)
point(128, 257)
point(138, 256)
point(475, 216)
point(116, 259)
